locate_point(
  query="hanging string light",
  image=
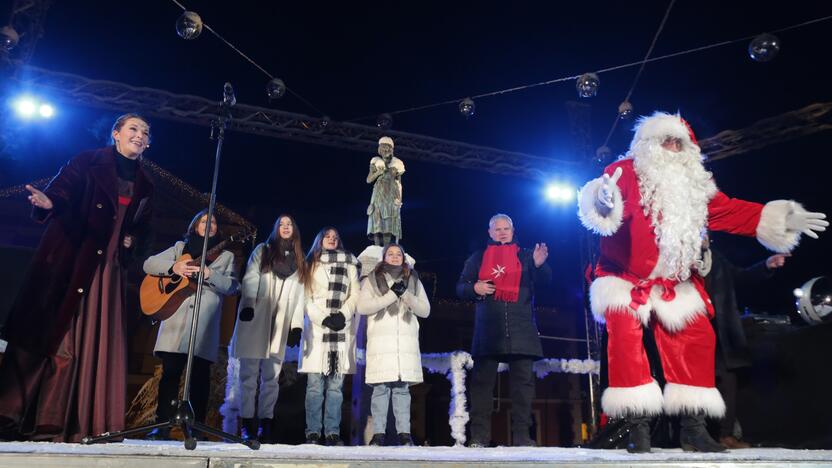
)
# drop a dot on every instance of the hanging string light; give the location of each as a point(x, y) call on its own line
point(8, 38)
point(597, 72)
point(764, 47)
point(275, 89)
point(467, 107)
point(191, 26)
point(625, 110)
point(384, 121)
point(587, 85)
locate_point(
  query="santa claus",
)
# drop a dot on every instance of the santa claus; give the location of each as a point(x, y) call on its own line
point(651, 208)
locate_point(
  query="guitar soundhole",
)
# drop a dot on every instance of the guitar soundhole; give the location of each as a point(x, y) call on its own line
point(170, 287)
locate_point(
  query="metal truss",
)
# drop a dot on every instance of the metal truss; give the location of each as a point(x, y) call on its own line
point(363, 138)
point(811, 119)
point(287, 125)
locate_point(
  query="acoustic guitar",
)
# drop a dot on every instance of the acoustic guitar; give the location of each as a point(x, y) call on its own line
point(161, 296)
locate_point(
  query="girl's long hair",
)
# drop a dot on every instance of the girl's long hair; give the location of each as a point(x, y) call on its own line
point(314, 254)
point(272, 249)
point(195, 223)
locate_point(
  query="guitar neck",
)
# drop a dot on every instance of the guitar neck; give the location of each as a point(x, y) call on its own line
point(217, 248)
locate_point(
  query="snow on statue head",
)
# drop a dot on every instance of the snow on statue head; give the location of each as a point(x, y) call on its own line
point(675, 190)
point(385, 147)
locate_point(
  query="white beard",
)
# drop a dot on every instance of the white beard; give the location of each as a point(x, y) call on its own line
point(675, 190)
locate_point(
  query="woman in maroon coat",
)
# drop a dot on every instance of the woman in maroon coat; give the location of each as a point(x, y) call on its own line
point(64, 372)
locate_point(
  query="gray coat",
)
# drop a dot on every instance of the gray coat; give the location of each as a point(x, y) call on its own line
point(173, 332)
point(278, 307)
point(505, 328)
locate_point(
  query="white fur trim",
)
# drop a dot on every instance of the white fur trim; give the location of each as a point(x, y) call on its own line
point(688, 399)
point(682, 310)
point(589, 215)
point(660, 126)
point(611, 293)
point(620, 402)
point(771, 230)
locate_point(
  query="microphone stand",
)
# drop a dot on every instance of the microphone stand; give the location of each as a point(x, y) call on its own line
point(183, 417)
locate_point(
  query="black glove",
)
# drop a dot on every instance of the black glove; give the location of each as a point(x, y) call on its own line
point(293, 339)
point(399, 288)
point(335, 322)
point(247, 314)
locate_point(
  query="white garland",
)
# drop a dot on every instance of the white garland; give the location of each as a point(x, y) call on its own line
point(452, 365)
point(545, 367)
point(230, 409)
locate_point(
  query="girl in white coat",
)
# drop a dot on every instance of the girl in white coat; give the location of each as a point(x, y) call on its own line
point(392, 297)
point(172, 341)
point(328, 351)
point(270, 318)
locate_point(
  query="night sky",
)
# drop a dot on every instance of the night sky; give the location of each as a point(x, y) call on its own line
point(354, 59)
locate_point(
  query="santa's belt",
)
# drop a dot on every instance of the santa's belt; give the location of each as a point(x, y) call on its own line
point(642, 288)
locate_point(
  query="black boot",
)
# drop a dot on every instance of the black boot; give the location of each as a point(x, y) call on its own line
point(264, 435)
point(377, 440)
point(639, 439)
point(694, 437)
point(333, 440)
point(249, 429)
point(522, 440)
point(405, 440)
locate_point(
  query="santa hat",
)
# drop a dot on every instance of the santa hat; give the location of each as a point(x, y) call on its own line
point(386, 140)
point(661, 126)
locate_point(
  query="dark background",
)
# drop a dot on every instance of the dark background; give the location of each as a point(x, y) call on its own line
point(364, 58)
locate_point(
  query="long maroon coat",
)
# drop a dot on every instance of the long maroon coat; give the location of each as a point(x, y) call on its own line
point(85, 198)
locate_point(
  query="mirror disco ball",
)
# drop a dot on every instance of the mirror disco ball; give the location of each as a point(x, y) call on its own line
point(814, 300)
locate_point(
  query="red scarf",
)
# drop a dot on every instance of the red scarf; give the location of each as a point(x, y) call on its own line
point(501, 266)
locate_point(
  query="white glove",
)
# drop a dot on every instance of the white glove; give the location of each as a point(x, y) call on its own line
point(807, 222)
point(605, 191)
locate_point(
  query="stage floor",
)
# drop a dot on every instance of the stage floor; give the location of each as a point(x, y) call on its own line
point(143, 454)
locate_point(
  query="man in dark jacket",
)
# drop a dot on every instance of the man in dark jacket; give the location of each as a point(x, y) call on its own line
point(502, 279)
point(721, 279)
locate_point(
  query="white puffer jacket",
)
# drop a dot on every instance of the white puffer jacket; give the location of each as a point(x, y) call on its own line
point(393, 331)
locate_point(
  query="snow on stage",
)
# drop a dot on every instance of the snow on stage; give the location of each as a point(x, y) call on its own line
point(144, 454)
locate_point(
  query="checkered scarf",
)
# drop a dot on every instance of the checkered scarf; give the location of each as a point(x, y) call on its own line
point(336, 264)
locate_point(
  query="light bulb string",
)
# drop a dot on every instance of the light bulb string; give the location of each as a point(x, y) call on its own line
point(599, 71)
point(250, 60)
point(641, 68)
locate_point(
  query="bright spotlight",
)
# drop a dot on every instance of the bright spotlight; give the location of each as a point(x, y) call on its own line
point(25, 107)
point(46, 111)
point(560, 193)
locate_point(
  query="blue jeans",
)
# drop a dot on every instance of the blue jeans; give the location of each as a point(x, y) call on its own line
point(401, 406)
point(315, 384)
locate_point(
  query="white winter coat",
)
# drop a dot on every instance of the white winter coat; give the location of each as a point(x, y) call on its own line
point(393, 332)
point(173, 332)
point(312, 359)
point(278, 307)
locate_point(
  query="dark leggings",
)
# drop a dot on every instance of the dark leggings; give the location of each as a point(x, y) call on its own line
point(173, 366)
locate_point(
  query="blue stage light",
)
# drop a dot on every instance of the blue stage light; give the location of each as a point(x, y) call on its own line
point(28, 107)
point(560, 193)
point(25, 107)
point(46, 111)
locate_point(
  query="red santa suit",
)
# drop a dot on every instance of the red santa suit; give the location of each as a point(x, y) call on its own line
point(646, 274)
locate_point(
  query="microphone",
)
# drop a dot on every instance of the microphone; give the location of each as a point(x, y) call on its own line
point(228, 98)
